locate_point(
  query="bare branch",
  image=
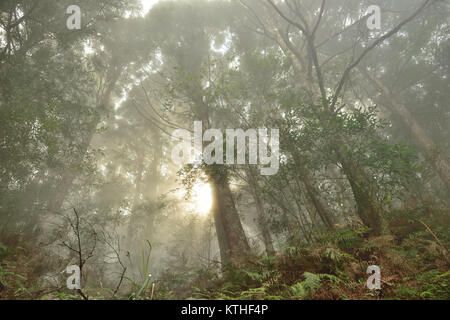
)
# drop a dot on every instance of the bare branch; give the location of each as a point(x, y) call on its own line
point(370, 48)
point(319, 19)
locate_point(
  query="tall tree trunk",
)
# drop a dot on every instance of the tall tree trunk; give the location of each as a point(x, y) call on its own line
point(261, 218)
point(132, 224)
point(367, 205)
point(314, 193)
point(322, 208)
point(307, 229)
point(232, 240)
point(310, 208)
point(284, 203)
point(368, 208)
point(149, 194)
point(430, 149)
point(63, 187)
point(362, 187)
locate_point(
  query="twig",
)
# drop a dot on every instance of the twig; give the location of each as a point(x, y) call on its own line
point(434, 235)
point(120, 282)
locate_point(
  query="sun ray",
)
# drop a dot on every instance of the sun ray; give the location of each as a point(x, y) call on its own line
point(201, 198)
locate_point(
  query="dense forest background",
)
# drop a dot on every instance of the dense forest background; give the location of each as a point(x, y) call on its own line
point(86, 134)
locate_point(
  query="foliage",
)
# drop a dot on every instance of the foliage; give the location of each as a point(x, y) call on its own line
point(431, 285)
point(141, 285)
point(87, 121)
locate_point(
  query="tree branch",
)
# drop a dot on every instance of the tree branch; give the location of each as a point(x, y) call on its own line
point(370, 48)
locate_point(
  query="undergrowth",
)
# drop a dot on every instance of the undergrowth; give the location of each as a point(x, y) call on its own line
point(413, 258)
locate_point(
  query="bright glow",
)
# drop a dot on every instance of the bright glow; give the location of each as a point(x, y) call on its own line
point(201, 198)
point(147, 5)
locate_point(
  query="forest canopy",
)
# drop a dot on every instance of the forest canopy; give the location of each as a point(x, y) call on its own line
point(241, 149)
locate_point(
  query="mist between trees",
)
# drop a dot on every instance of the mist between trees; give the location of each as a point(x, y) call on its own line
point(315, 143)
point(235, 143)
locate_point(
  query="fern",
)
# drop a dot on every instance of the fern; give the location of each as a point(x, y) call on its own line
point(254, 293)
point(336, 255)
point(298, 290)
point(260, 277)
point(311, 283)
point(346, 238)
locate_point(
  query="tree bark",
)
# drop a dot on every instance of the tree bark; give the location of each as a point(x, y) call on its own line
point(368, 209)
point(232, 240)
point(313, 193)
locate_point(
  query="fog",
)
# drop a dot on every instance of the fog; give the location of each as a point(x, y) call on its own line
point(222, 149)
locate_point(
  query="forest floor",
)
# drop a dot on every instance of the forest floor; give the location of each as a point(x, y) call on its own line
point(413, 259)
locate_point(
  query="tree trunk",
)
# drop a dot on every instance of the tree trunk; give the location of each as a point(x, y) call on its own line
point(232, 240)
point(267, 237)
point(431, 151)
point(313, 194)
point(132, 224)
point(63, 188)
point(368, 209)
point(367, 204)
